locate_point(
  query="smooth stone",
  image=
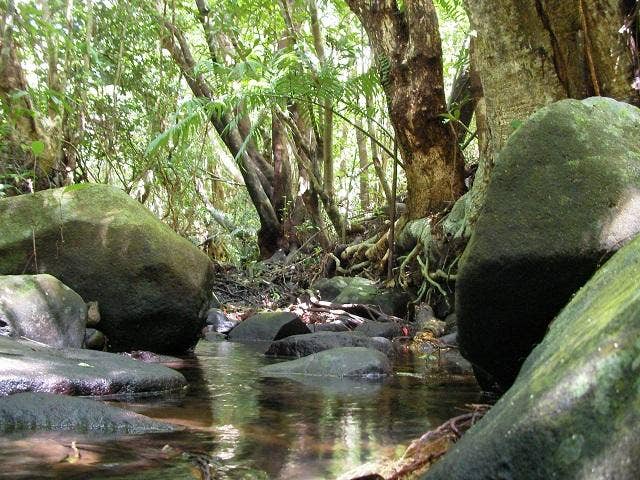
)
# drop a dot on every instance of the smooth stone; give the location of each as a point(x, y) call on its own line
point(45, 411)
point(267, 327)
point(25, 366)
point(42, 308)
point(337, 362)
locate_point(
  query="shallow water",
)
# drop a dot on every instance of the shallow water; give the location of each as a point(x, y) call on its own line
point(249, 427)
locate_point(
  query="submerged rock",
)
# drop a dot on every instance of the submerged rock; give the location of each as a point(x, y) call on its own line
point(150, 282)
point(42, 308)
point(44, 411)
point(28, 367)
point(303, 345)
point(267, 327)
point(337, 362)
point(574, 409)
point(564, 194)
point(379, 329)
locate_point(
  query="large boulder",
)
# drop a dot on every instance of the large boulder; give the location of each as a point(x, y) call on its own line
point(574, 410)
point(150, 282)
point(564, 195)
point(303, 345)
point(267, 327)
point(42, 308)
point(337, 362)
point(44, 411)
point(29, 367)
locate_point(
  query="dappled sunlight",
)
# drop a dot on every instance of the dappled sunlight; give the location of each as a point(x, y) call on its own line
point(624, 223)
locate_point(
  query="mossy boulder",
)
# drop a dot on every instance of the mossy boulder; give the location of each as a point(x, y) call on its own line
point(42, 308)
point(337, 362)
point(574, 409)
point(150, 283)
point(49, 412)
point(564, 195)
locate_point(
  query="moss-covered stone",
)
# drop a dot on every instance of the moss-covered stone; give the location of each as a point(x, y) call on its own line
point(42, 308)
point(336, 362)
point(49, 412)
point(564, 194)
point(574, 409)
point(149, 282)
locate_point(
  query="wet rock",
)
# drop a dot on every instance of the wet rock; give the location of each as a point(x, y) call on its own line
point(574, 409)
point(371, 328)
point(219, 322)
point(42, 308)
point(44, 411)
point(336, 326)
point(564, 195)
point(25, 367)
point(361, 290)
point(150, 283)
point(337, 362)
point(94, 339)
point(267, 327)
point(303, 345)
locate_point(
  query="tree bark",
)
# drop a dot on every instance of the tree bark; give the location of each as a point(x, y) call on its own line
point(270, 233)
point(408, 50)
point(529, 53)
point(364, 163)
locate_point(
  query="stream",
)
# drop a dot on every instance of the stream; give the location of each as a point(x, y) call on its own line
point(250, 427)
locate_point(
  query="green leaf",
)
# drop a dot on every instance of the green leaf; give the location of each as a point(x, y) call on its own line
point(37, 147)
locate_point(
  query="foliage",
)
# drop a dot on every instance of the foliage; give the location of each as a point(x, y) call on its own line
point(108, 95)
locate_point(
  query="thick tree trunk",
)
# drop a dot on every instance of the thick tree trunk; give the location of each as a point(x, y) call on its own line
point(407, 47)
point(529, 53)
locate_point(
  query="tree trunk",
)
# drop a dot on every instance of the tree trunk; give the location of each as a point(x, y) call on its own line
point(407, 47)
point(529, 53)
point(270, 233)
point(364, 163)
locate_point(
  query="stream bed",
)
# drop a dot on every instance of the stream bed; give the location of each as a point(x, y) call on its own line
point(250, 427)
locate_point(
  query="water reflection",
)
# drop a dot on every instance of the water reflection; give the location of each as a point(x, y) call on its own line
point(275, 428)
